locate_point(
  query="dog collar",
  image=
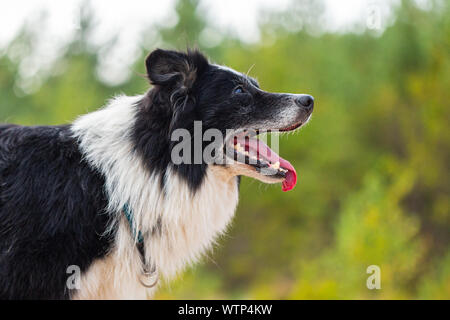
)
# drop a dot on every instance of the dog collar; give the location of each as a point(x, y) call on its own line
point(147, 272)
point(130, 217)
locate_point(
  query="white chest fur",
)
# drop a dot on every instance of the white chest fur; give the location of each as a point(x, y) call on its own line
point(190, 224)
point(179, 226)
point(189, 227)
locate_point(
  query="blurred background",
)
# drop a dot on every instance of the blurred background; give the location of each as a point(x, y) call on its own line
point(373, 162)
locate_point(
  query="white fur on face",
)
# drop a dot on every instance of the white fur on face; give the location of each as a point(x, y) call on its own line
point(188, 223)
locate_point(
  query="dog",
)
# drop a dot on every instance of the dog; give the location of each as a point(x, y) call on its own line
point(98, 209)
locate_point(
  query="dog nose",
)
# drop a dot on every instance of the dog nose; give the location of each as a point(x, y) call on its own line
point(305, 101)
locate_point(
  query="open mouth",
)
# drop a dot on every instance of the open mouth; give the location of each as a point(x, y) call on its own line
point(292, 127)
point(247, 149)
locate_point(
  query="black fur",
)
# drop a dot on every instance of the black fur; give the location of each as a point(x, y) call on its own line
point(186, 89)
point(51, 212)
point(168, 106)
point(52, 202)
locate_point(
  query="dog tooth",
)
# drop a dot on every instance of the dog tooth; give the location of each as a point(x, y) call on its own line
point(276, 165)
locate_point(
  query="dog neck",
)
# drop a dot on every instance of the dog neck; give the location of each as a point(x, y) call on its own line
point(178, 225)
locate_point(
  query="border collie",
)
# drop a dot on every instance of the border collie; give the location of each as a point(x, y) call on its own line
point(98, 210)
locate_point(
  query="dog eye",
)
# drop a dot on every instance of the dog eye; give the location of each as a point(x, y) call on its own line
point(238, 90)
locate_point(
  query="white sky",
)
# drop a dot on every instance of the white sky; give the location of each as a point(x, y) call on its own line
point(127, 20)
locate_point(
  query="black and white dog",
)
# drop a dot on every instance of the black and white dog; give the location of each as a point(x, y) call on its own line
point(101, 199)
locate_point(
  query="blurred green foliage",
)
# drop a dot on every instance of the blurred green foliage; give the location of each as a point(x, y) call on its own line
point(373, 163)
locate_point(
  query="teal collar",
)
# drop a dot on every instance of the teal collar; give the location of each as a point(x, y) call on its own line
point(140, 245)
point(130, 217)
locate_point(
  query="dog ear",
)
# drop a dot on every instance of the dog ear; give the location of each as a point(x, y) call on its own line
point(172, 68)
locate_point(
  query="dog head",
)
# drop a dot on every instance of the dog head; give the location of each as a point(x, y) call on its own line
point(188, 90)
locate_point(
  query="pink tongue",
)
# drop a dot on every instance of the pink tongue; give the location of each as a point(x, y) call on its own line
point(262, 150)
